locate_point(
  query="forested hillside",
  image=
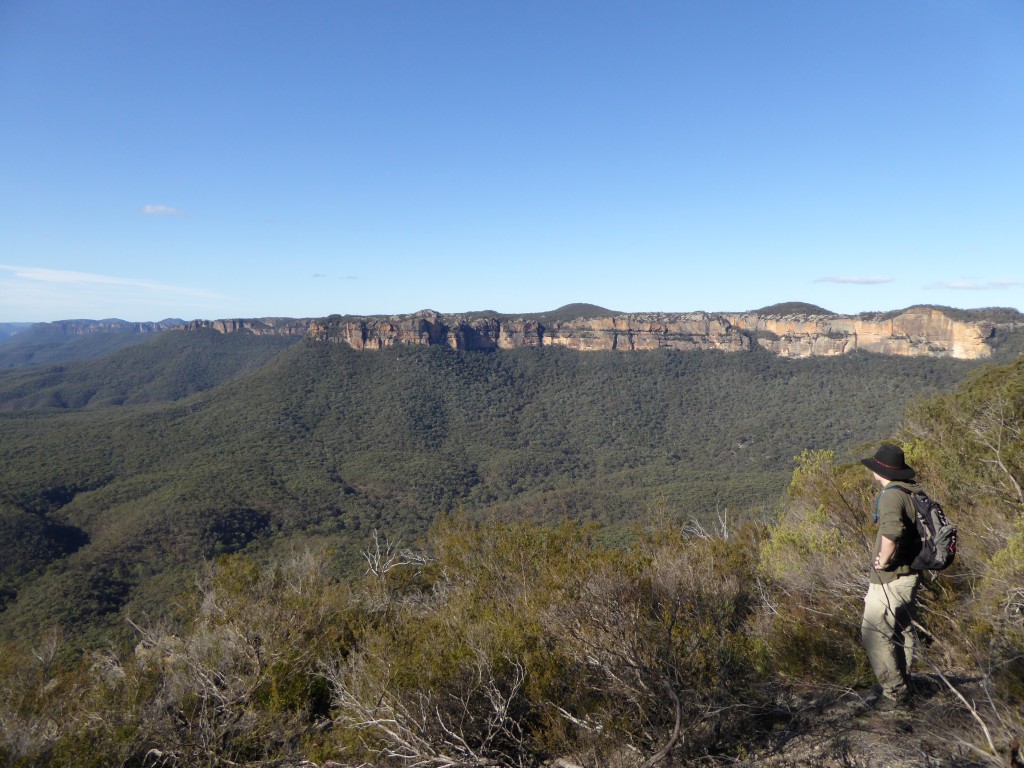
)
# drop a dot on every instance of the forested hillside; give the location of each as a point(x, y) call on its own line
point(510, 642)
point(12, 329)
point(117, 479)
point(154, 368)
point(27, 344)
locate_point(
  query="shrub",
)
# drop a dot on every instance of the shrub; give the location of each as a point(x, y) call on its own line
point(814, 569)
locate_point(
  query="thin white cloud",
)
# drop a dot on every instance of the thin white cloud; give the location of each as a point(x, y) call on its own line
point(161, 210)
point(854, 280)
point(974, 285)
point(68, 278)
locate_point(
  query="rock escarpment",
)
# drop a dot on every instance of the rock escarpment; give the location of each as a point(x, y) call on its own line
point(87, 327)
point(918, 331)
point(263, 326)
point(621, 332)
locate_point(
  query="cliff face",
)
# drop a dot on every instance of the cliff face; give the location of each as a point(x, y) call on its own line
point(264, 326)
point(622, 332)
point(919, 331)
point(629, 333)
point(86, 327)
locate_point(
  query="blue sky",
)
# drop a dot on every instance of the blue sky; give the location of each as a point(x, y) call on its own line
point(235, 159)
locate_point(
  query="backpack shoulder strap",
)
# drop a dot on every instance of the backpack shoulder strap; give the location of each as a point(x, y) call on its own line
point(878, 500)
point(912, 512)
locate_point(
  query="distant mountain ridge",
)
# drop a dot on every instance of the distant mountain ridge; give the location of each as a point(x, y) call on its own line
point(67, 340)
point(12, 329)
point(78, 327)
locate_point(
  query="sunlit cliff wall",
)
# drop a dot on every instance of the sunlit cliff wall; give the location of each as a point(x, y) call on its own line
point(919, 331)
point(621, 332)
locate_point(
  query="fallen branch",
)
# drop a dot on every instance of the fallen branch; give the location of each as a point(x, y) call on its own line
point(970, 708)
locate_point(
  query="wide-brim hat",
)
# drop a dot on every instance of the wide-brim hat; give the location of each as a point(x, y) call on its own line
point(889, 462)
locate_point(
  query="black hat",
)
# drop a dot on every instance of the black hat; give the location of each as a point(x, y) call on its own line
point(888, 462)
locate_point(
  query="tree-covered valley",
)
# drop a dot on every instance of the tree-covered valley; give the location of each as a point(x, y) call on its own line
point(226, 548)
point(123, 472)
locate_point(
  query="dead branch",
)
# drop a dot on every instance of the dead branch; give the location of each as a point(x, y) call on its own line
point(676, 731)
point(970, 708)
point(381, 559)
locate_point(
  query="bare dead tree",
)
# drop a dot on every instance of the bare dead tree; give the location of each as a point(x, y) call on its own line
point(213, 681)
point(646, 641)
point(695, 529)
point(383, 557)
point(472, 727)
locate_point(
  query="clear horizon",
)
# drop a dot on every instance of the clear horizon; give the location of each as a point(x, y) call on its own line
point(216, 160)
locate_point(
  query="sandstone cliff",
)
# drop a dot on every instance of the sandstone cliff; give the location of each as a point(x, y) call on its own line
point(621, 332)
point(86, 327)
point(918, 331)
point(263, 326)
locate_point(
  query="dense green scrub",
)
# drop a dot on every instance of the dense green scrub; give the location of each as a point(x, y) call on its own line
point(515, 644)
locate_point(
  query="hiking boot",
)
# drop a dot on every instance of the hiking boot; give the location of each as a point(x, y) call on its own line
point(922, 686)
point(886, 704)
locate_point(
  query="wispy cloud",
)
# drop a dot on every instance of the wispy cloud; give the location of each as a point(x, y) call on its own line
point(855, 280)
point(43, 294)
point(974, 285)
point(70, 278)
point(161, 210)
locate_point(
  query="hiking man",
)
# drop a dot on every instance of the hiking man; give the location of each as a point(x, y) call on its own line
point(889, 604)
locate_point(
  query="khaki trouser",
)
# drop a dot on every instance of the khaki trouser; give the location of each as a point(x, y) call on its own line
point(887, 633)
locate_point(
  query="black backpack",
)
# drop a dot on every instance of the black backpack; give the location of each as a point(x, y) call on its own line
point(938, 535)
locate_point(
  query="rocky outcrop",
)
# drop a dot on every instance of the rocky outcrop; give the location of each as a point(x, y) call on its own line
point(421, 329)
point(621, 332)
point(263, 326)
point(630, 333)
point(918, 331)
point(86, 327)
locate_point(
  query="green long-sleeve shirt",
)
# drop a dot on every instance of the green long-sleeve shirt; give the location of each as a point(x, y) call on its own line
point(896, 522)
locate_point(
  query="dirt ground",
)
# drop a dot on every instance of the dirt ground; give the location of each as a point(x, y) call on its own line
point(842, 729)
